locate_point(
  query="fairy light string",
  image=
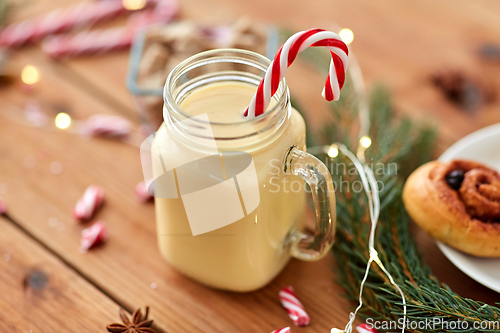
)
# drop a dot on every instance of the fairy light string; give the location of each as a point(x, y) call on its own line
point(368, 181)
point(30, 76)
point(372, 192)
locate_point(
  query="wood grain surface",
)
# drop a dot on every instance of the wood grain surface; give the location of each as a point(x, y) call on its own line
point(40, 293)
point(398, 43)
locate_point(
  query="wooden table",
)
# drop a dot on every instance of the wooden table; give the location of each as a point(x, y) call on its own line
point(47, 285)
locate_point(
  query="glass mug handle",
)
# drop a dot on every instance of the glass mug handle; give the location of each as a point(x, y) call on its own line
point(316, 175)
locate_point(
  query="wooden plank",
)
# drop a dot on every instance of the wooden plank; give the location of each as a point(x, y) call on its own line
point(443, 35)
point(104, 76)
point(126, 266)
point(41, 294)
point(397, 44)
point(52, 100)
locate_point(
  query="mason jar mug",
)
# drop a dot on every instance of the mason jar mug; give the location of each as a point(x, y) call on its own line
point(230, 192)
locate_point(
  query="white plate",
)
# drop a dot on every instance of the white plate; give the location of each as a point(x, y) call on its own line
point(482, 146)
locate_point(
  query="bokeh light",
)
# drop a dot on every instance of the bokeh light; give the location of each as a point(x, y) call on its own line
point(63, 120)
point(134, 4)
point(30, 75)
point(347, 35)
point(365, 141)
point(333, 151)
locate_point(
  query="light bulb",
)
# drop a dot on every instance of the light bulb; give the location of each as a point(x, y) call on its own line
point(365, 141)
point(63, 120)
point(333, 151)
point(30, 75)
point(133, 4)
point(374, 256)
point(347, 35)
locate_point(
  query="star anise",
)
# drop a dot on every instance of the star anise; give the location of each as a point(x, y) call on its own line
point(466, 92)
point(136, 324)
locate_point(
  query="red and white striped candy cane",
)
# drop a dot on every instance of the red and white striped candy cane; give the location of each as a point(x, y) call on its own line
point(107, 126)
point(287, 54)
point(107, 40)
point(93, 236)
point(88, 204)
point(364, 328)
point(282, 330)
point(141, 191)
point(61, 20)
point(293, 306)
point(87, 42)
point(164, 11)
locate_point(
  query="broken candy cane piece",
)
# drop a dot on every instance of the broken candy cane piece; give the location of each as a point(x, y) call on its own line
point(93, 236)
point(88, 204)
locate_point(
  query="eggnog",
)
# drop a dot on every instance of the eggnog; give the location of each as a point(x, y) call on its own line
point(250, 252)
point(230, 193)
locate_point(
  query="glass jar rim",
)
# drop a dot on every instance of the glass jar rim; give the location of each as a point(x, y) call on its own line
point(197, 61)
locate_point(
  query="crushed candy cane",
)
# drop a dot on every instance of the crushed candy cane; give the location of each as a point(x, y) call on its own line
point(93, 236)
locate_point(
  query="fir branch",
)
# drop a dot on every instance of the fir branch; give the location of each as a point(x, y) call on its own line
point(406, 145)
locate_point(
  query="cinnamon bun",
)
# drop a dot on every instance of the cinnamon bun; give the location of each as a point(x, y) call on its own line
point(458, 203)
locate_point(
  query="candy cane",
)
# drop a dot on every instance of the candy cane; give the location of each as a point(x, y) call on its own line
point(106, 126)
point(364, 328)
point(61, 20)
point(293, 306)
point(141, 191)
point(34, 114)
point(91, 200)
point(285, 57)
point(282, 330)
point(107, 40)
point(93, 236)
point(93, 42)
